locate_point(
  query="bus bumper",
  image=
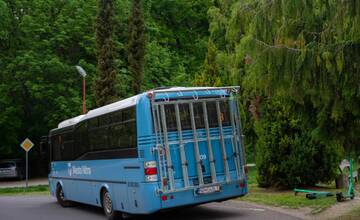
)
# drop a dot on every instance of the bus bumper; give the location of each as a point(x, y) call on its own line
point(189, 197)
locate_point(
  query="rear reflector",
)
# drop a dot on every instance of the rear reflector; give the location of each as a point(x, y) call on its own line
point(163, 198)
point(150, 171)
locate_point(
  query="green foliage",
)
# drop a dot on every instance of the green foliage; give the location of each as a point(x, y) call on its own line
point(289, 155)
point(304, 53)
point(41, 41)
point(181, 27)
point(39, 85)
point(40, 189)
point(136, 45)
point(105, 92)
point(163, 67)
point(211, 73)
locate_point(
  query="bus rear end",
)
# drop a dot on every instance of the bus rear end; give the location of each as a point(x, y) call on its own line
point(199, 151)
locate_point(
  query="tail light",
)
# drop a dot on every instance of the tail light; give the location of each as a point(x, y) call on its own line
point(150, 171)
point(242, 184)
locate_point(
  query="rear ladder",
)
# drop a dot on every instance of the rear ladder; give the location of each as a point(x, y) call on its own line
point(163, 145)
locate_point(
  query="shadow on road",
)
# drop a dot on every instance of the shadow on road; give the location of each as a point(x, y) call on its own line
point(198, 213)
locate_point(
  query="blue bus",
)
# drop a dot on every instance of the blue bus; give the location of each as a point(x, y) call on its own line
point(162, 149)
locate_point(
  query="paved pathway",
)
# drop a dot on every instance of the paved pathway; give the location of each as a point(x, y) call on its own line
point(46, 207)
point(17, 183)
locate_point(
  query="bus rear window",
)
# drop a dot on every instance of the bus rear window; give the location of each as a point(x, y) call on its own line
point(184, 112)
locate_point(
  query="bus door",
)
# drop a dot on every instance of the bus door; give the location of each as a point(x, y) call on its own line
point(199, 142)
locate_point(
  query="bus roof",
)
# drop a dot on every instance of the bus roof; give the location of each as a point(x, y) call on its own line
point(100, 111)
point(129, 102)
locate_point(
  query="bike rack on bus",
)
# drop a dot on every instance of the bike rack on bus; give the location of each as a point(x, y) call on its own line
point(162, 148)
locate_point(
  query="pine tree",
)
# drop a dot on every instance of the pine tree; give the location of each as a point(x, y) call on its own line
point(302, 59)
point(211, 73)
point(105, 84)
point(136, 45)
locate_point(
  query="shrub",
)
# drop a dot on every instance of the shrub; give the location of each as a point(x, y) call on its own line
point(289, 154)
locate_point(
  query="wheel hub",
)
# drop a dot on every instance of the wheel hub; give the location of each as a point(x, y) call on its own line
point(107, 203)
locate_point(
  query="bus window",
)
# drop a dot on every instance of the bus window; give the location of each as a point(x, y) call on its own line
point(170, 117)
point(81, 140)
point(185, 116)
point(225, 112)
point(55, 145)
point(199, 115)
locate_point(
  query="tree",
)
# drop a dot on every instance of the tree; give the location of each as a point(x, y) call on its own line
point(105, 92)
point(211, 73)
point(136, 45)
point(305, 54)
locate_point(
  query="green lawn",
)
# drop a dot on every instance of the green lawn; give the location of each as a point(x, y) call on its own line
point(286, 198)
point(41, 189)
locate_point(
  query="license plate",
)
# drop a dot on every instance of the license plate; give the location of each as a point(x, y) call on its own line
point(207, 190)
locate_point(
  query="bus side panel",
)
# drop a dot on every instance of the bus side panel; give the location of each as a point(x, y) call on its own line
point(85, 192)
point(82, 180)
point(143, 199)
point(119, 194)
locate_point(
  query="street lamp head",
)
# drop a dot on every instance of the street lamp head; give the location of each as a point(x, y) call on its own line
point(81, 71)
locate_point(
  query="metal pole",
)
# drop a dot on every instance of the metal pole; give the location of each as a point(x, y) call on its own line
point(184, 162)
point(84, 95)
point(223, 148)
point(27, 170)
point(170, 167)
point(196, 145)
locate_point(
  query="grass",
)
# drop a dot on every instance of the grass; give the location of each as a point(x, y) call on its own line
point(286, 198)
point(355, 212)
point(40, 189)
point(352, 215)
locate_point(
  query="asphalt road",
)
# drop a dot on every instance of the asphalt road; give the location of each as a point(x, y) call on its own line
point(46, 208)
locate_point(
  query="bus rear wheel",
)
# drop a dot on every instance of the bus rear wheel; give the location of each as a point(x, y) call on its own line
point(60, 196)
point(108, 207)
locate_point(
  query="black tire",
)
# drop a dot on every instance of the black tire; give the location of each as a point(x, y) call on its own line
point(61, 198)
point(339, 197)
point(108, 207)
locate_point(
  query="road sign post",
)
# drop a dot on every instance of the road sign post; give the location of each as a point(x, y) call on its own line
point(27, 145)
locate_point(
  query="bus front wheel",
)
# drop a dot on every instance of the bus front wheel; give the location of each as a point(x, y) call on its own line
point(60, 196)
point(108, 207)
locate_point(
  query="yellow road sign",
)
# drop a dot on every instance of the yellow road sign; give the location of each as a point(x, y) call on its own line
point(27, 144)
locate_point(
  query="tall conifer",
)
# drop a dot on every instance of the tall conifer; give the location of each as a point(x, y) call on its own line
point(105, 84)
point(136, 45)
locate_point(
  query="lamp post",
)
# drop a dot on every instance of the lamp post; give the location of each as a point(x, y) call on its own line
point(82, 72)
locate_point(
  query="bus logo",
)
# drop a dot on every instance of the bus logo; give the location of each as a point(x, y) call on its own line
point(202, 156)
point(82, 170)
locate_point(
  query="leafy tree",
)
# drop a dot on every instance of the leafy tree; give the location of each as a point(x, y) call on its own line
point(296, 52)
point(105, 92)
point(287, 153)
point(211, 73)
point(41, 41)
point(39, 86)
point(136, 45)
point(163, 67)
point(181, 27)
